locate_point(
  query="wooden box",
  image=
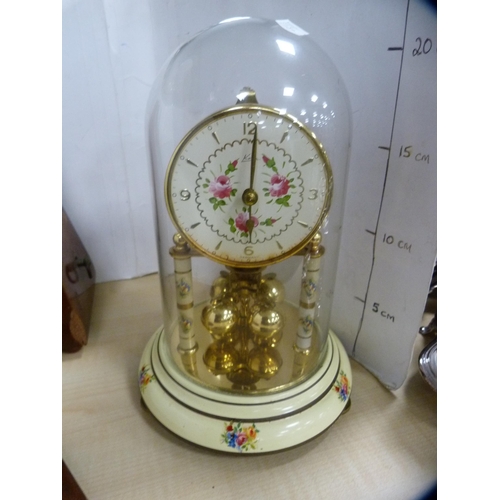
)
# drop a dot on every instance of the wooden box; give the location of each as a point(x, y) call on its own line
point(78, 281)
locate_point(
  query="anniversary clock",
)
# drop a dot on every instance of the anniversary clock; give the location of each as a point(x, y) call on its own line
point(248, 129)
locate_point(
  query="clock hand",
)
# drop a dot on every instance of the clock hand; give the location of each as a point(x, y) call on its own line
point(250, 224)
point(254, 158)
point(249, 196)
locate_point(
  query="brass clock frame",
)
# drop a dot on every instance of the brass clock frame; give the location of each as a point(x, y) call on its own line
point(250, 106)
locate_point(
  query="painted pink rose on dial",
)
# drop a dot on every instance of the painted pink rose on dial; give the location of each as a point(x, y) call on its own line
point(279, 185)
point(221, 187)
point(241, 221)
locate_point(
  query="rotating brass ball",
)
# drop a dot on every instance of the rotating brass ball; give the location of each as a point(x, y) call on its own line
point(266, 325)
point(272, 288)
point(264, 362)
point(221, 358)
point(220, 318)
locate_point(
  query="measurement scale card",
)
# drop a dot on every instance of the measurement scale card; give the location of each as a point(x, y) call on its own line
point(388, 259)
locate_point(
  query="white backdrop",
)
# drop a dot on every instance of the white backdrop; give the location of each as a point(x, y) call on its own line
point(112, 50)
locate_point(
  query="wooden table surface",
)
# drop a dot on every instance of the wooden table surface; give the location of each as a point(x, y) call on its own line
point(383, 448)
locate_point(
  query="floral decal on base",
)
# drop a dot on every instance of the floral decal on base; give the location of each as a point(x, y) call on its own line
point(342, 386)
point(145, 377)
point(239, 437)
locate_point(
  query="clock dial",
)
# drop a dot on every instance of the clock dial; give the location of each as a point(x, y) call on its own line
point(249, 186)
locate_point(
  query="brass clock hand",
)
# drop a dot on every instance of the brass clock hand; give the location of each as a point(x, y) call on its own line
point(254, 159)
point(250, 196)
point(250, 224)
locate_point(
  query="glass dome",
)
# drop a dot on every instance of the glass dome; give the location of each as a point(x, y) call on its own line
point(234, 325)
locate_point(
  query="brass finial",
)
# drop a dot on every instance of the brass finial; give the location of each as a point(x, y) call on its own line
point(246, 96)
point(180, 247)
point(315, 247)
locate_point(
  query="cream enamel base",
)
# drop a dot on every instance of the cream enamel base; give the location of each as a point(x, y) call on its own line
point(283, 419)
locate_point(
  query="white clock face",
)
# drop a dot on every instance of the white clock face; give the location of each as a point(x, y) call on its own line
point(249, 186)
